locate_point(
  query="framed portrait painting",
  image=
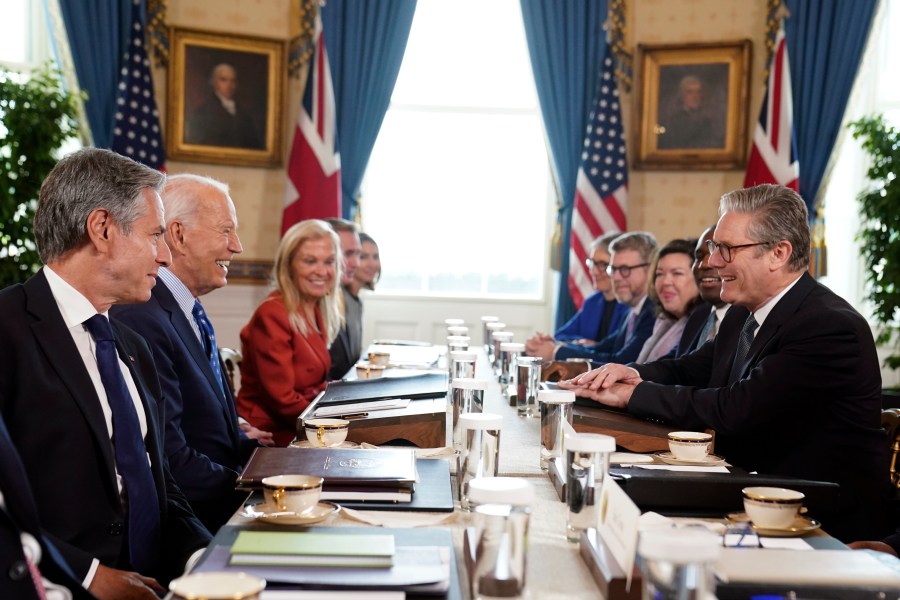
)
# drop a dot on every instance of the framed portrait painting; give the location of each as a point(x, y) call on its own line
point(225, 98)
point(693, 105)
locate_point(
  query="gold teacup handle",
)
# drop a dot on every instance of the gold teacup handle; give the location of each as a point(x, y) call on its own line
point(277, 497)
point(320, 435)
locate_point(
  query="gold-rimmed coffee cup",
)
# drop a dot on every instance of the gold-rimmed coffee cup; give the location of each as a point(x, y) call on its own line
point(326, 433)
point(379, 359)
point(772, 507)
point(690, 446)
point(296, 494)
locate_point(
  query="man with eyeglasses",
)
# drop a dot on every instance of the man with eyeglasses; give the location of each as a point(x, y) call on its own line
point(630, 272)
point(791, 383)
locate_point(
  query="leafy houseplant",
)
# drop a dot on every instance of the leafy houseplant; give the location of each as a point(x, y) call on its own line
point(880, 227)
point(36, 117)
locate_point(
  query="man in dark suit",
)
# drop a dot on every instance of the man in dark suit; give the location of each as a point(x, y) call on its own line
point(80, 395)
point(346, 348)
point(631, 255)
point(204, 445)
point(21, 539)
point(791, 384)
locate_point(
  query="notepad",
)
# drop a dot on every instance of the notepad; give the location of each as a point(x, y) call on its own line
point(277, 548)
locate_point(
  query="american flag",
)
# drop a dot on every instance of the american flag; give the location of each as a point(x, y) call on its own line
point(601, 188)
point(773, 158)
point(314, 169)
point(136, 133)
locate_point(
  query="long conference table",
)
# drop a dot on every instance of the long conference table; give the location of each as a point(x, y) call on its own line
point(555, 568)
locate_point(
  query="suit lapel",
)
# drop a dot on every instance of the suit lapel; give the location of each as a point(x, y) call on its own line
point(53, 337)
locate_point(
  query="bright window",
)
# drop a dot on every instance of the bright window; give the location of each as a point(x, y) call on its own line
point(457, 187)
point(23, 34)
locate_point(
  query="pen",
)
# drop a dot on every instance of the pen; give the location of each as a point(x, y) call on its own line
point(361, 415)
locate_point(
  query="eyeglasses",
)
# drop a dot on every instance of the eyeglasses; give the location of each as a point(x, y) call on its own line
point(727, 251)
point(624, 270)
point(590, 263)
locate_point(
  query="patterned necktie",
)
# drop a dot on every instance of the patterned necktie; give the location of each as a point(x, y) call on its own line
point(131, 454)
point(209, 343)
point(744, 342)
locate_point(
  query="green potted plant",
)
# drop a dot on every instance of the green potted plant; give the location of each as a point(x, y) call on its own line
point(36, 117)
point(880, 229)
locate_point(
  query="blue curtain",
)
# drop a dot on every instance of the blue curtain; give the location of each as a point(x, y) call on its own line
point(366, 41)
point(565, 42)
point(825, 44)
point(98, 35)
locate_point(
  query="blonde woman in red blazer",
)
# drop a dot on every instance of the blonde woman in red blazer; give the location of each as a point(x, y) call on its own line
point(285, 344)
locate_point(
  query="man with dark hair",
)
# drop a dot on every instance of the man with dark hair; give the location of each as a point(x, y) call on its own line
point(205, 447)
point(347, 347)
point(791, 383)
point(80, 393)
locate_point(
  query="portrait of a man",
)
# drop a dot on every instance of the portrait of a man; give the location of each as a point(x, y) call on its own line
point(225, 98)
point(693, 106)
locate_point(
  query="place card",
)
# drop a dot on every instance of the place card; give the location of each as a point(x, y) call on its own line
point(619, 518)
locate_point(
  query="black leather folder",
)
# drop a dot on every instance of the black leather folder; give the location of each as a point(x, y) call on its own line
point(677, 493)
point(426, 385)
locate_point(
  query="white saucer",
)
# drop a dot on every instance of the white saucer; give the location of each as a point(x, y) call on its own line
point(306, 444)
point(710, 460)
point(801, 526)
point(269, 514)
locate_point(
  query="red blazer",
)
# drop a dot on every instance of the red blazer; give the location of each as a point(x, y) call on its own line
point(281, 371)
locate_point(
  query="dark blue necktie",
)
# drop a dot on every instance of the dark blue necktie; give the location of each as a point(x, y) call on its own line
point(131, 454)
point(209, 343)
point(743, 347)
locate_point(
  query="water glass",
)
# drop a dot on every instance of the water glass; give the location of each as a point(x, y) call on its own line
point(528, 383)
point(479, 450)
point(490, 328)
point(587, 461)
point(509, 351)
point(466, 396)
point(500, 337)
point(556, 410)
point(677, 564)
point(501, 507)
point(486, 340)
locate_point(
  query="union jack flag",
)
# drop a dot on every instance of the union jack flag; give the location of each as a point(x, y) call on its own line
point(314, 171)
point(136, 131)
point(773, 158)
point(601, 188)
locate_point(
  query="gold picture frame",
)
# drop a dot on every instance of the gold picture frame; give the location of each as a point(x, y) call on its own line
point(693, 101)
point(225, 98)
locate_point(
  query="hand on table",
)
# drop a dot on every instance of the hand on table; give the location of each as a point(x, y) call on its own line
point(113, 584)
point(607, 375)
point(263, 437)
point(542, 346)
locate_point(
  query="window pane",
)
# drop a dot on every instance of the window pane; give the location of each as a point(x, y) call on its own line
point(466, 53)
point(14, 29)
point(456, 189)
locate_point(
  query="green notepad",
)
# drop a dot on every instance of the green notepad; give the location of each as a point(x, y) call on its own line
point(312, 549)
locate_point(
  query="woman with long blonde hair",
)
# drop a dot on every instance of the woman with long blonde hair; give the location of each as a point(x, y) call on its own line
point(285, 344)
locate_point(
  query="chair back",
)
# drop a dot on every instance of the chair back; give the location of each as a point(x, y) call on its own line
point(890, 421)
point(231, 359)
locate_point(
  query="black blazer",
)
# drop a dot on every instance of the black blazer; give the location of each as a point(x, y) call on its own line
point(204, 445)
point(808, 405)
point(17, 516)
point(616, 347)
point(56, 422)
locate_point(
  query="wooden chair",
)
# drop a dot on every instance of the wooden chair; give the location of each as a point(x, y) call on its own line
point(890, 421)
point(231, 359)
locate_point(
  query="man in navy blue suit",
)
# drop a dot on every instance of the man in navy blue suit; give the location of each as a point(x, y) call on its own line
point(21, 539)
point(204, 444)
